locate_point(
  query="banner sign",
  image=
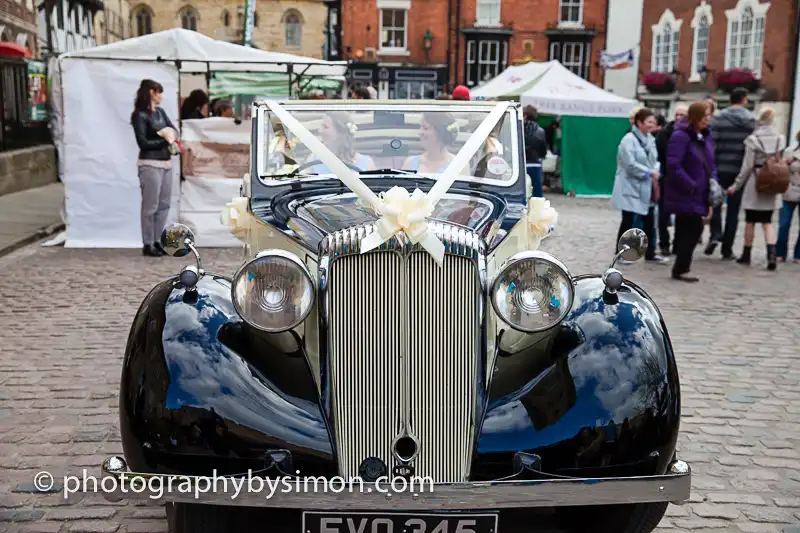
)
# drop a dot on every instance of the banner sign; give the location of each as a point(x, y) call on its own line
point(249, 21)
point(617, 61)
point(37, 92)
point(215, 147)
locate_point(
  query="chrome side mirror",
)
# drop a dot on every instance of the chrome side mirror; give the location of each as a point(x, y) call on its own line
point(632, 246)
point(178, 241)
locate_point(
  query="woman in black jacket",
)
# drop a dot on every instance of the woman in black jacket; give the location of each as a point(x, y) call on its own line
point(155, 135)
point(195, 105)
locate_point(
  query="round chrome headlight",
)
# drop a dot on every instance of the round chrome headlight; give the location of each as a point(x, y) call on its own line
point(532, 292)
point(274, 291)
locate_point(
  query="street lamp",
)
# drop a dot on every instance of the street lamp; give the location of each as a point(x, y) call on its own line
point(427, 41)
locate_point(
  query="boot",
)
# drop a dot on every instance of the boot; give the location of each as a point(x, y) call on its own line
point(149, 251)
point(772, 261)
point(745, 258)
point(158, 248)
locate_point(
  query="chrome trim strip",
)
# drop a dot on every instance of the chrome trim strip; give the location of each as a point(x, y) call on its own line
point(316, 494)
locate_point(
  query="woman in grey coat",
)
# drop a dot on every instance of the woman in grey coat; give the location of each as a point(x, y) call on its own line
point(637, 176)
point(758, 207)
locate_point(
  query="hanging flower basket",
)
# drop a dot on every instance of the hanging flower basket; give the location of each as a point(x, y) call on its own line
point(728, 80)
point(659, 82)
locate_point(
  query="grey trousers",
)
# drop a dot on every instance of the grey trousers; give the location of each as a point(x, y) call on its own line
point(156, 185)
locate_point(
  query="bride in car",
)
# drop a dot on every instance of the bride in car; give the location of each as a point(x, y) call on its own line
point(337, 131)
point(437, 132)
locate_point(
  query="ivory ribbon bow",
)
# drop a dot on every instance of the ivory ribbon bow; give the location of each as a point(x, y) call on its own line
point(401, 211)
point(540, 221)
point(236, 217)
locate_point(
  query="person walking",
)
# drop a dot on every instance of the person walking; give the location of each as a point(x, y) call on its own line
point(535, 149)
point(758, 207)
point(156, 137)
point(636, 178)
point(730, 129)
point(662, 140)
point(791, 200)
point(690, 168)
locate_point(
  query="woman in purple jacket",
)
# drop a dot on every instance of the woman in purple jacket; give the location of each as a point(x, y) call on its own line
point(690, 164)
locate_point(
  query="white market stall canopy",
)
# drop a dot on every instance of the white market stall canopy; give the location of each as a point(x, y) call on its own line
point(194, 52)
point(555, 90)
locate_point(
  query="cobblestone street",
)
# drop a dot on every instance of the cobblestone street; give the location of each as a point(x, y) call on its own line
point(66, 315)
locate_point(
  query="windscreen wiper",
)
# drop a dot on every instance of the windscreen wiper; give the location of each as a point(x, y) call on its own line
point(391, 171)
point(292, 174)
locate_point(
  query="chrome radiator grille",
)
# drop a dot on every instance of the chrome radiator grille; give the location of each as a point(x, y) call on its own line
point(403, 348)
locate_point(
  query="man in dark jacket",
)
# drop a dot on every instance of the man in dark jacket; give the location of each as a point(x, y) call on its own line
point(662, 139)
point(535, 148)
point(729, 129)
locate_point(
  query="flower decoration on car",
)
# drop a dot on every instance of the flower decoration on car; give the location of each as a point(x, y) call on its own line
point(237, 218)
point(540, 221)
point(352, 128)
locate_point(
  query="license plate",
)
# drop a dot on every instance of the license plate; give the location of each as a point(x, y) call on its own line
point(315, 522)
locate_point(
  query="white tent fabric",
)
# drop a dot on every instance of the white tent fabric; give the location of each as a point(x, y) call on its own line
point(200, 53)
point(561, 92)
point(554, 90)
point(97, 147)
point(511, 82)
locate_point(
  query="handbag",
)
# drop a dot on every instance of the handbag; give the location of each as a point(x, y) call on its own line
point(715, 193)
point(773, 176)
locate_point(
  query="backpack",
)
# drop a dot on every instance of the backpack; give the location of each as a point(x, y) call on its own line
point(773, 176)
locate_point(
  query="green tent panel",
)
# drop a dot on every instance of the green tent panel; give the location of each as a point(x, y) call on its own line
point(589, 153)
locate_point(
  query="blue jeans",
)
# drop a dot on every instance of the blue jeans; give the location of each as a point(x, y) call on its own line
point(782, 247)
point(534, 170)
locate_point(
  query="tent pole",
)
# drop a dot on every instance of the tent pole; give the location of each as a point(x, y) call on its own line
point(290, 71)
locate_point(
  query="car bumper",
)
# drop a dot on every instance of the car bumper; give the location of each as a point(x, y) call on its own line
point(672, 487)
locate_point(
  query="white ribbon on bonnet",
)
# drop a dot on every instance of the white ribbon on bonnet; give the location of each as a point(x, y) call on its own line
point(399, 210)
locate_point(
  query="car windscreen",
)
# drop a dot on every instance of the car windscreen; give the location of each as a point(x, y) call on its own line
point(422, 141)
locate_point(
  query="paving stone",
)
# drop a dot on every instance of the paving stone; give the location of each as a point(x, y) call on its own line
point(737, 498)
point(772, 516)
point(725, 512)
point(20, 515)
point(93, 527)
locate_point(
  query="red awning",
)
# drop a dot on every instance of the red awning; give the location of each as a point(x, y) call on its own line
point(14, 50)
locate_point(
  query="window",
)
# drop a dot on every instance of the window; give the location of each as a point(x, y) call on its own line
point(188, 17)
point(666, 35)
point(393, 29)
point(488, 13)
point(574, 55)
point(703, 18)
point(745, 43)
point(485, 59)
point(570, 12)
point(255, 19)
point(144, 20)
point(226, 18)
point(294, 28)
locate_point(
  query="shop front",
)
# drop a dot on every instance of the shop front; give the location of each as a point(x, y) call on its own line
point(394, 81)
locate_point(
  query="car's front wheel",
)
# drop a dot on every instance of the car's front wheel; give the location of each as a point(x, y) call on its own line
point(631, 518)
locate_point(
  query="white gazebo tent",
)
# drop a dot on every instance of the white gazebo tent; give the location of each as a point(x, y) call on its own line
point(92, 95)
point(592, 120)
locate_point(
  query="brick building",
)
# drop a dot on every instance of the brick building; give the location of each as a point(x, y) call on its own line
point(18, 24)
point(695, 40)
point(397, 46)
point(489, 35)
point(420, 48)
point(295, 26)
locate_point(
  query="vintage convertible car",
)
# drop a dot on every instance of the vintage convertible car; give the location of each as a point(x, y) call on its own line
point(395, 322)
